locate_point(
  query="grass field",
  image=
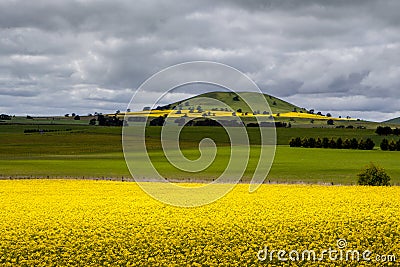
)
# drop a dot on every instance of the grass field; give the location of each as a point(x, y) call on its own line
point(96, 152)
point(103, 223)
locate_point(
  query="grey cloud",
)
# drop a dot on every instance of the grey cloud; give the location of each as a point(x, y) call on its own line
point(17, 92)
point(310, 51)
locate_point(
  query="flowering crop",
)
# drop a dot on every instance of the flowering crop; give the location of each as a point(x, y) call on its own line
point(104, 223)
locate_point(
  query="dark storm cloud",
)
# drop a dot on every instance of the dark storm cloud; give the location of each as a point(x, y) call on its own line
point(84, 56)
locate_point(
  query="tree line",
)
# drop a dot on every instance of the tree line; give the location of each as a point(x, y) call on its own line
point(338, 143)
point(391, 146)
point(386, 130)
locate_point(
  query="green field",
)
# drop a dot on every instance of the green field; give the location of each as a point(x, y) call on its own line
point(96, 152)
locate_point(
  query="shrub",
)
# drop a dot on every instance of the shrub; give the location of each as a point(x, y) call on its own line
point(374, 176)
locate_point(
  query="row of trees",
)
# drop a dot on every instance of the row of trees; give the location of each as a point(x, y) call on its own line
point(338, 143)
point(107, 121)
point(5, 117)
point(386, 130)
point(45, 130)
point(391, 146)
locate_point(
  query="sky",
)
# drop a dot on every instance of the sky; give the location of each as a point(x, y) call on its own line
point(86, 56)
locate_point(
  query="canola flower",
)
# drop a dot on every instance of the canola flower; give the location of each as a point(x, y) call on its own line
point(105, 223)
point(211, 113)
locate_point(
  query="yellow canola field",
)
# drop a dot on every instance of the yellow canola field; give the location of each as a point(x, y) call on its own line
point(104, 223)
point(174, 114)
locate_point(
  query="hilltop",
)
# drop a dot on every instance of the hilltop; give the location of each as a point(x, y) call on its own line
point(231, 99)
point(393, 121)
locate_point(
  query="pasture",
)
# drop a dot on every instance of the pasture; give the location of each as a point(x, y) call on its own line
point(96, 152)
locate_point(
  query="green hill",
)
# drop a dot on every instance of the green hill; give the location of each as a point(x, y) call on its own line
point(393, 121)
point(231, 99)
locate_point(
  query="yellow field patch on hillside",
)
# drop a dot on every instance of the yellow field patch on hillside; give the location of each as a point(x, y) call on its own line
point(210, 113)
point(92, 223)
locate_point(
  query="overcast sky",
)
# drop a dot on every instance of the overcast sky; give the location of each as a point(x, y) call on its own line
point(60, 57)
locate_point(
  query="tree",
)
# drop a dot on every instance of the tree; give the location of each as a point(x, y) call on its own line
point(109, 121)
point(318, 143)
point(353, 143)
point(325, 142)
point(274, 103)
point(311, 142)
point(157, 121)
point(339, 143)
point(347, 144)
point(383, 130)
point(295, 142)
point(369, 144)
point(5, 117)
point(73, 114)
point(236, 98)
point(392, 145)
point(384, 144)
point(92, 122)
point(66, 115)
point(77, 117)
point(304, 142)
point(328, 115)
point(374, 176)
point(361, 144)
point(239, 110)
point(330, 122)
point(332, 143)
